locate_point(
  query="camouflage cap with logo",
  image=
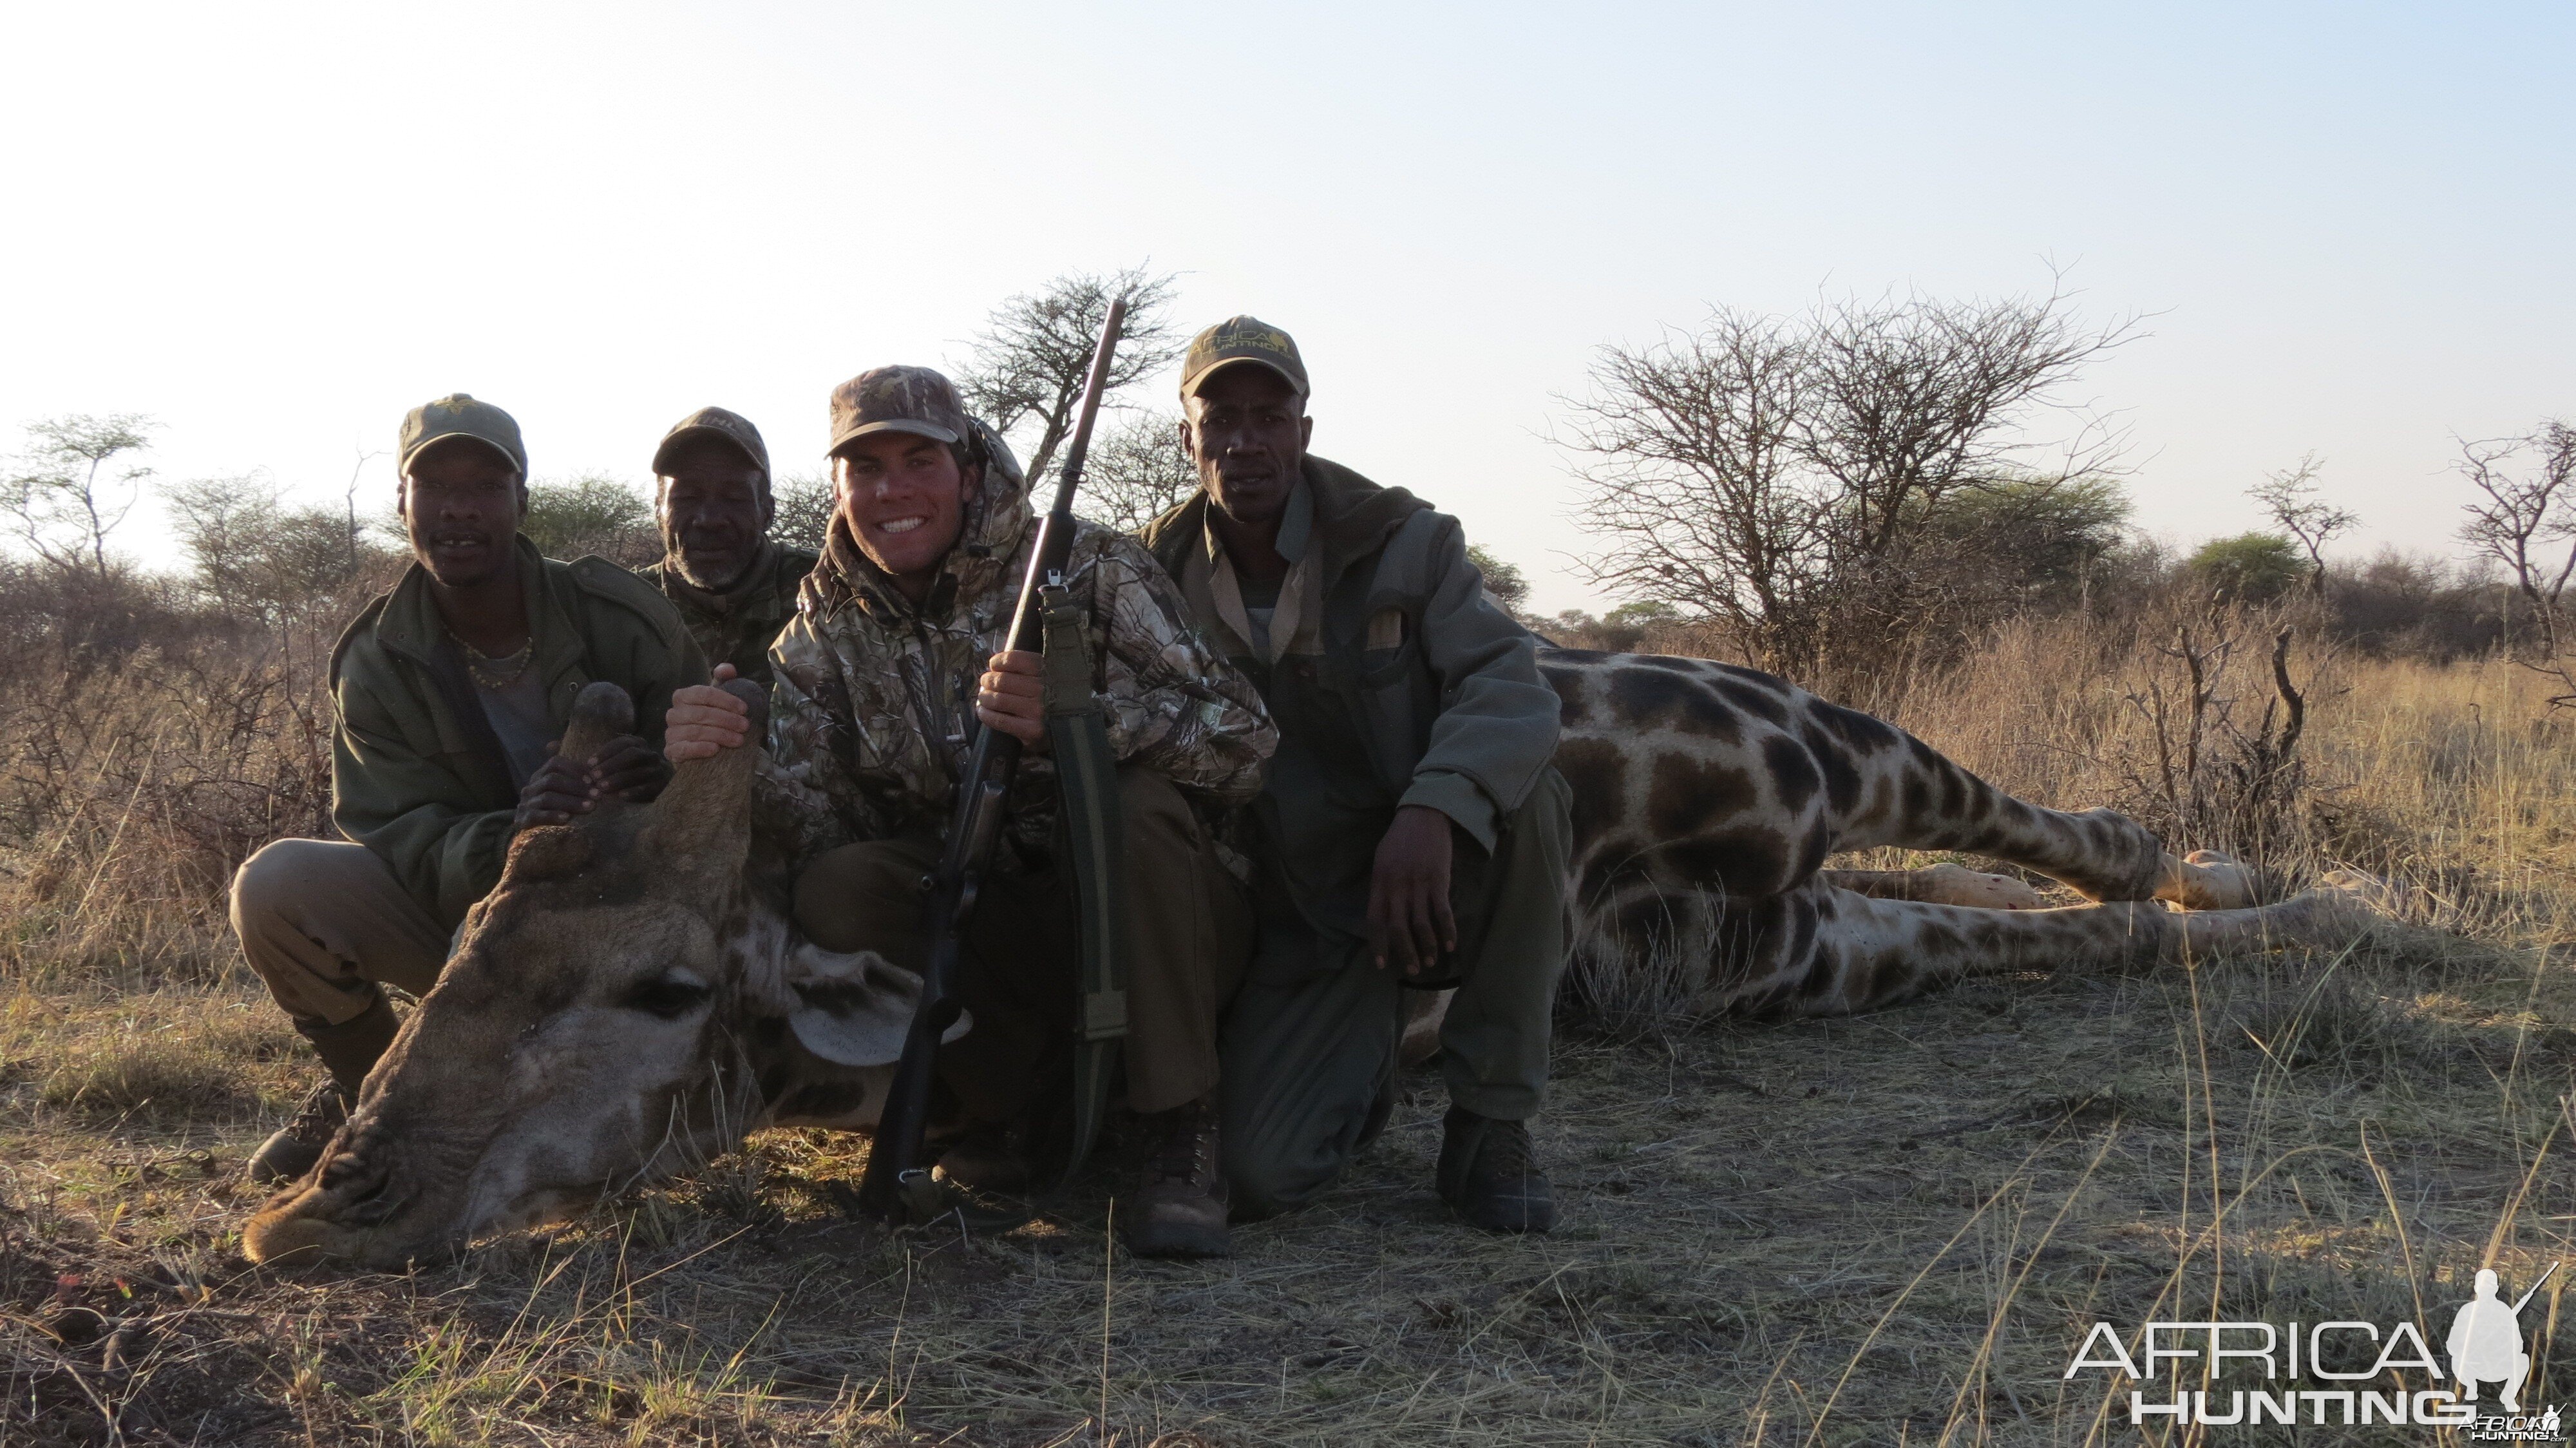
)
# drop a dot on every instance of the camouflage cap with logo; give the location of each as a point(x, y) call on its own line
point(458, 414)
point(731, 428)
point(897, 399)
point(1242, 339)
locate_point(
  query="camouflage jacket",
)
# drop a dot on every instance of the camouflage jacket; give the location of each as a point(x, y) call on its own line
point(872, 709)
point(738, 625)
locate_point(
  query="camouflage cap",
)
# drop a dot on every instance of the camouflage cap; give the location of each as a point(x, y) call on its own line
point(1242, 339)
point(897, 399)
point(459, 415)
point(730, 428)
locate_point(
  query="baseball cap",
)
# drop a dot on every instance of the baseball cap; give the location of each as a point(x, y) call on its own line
point(730, 428)
point(458, 414)
point(1242, 339)
point(897, 399)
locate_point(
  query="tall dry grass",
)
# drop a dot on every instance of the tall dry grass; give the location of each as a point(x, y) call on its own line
point(2457, 780)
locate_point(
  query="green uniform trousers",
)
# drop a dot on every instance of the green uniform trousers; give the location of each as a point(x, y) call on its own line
point(1310, 1042)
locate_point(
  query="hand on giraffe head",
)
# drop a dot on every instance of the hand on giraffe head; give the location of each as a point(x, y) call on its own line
point(1410, 925)
point(705, 720)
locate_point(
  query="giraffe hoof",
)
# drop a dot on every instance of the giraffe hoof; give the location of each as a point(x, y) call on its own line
point(2384, 899)
point(2216, 880)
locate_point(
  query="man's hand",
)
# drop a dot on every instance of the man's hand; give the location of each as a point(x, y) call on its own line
point(1012, 696)
point(627, 768)
point(704, 721)
point(1408, 909)
point(559, 791)
point(564, 789)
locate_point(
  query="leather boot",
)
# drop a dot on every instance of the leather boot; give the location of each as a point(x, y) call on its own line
point(292, 1149)
point(1490, 1177)
point(1180, 1209)
point(349, 1050)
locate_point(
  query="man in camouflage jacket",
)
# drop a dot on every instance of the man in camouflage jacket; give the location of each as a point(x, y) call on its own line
point(894, 656)
point(734, 585)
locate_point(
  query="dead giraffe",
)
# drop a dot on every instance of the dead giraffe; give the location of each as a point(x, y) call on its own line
point(627, 1003)
point(1707, 798)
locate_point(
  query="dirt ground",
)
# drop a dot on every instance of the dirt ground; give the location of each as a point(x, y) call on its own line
point(1891, 1228)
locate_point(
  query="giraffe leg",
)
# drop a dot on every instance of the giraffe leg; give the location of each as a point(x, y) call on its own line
point(1942, 884)
point(1868, 952)
point(1912, 797)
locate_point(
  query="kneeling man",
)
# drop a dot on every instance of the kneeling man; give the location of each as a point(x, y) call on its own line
point(897, 648)
point(452, 691)
point(1412, 831)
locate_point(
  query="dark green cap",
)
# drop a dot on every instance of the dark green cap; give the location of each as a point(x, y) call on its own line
point(1242, 339)
point(897, 399)
point(459, 415)
point(730, 428)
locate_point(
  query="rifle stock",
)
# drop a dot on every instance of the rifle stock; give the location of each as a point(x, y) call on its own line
point(897, 1181)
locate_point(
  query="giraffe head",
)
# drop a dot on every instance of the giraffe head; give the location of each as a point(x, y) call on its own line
point(608, 1017)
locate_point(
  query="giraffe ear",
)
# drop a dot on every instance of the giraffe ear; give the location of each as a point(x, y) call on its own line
point(853, 1009)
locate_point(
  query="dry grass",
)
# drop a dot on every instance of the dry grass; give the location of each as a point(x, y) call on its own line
point(1892, 1228)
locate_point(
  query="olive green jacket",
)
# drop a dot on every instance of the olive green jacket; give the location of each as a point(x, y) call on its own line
point(738, 625)
point(1420, 690)
point(416, 773)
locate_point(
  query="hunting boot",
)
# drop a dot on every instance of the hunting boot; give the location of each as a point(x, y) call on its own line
point(350, 1050)
point(1180, 1209)
point(1488, 1176)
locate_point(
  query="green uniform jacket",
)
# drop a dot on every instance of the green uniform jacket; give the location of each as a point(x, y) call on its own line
point(738, 625)
point(1426, 693)
point(416, 773)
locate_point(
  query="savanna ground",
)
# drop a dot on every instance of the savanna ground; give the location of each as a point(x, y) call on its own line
point(1890, 1228)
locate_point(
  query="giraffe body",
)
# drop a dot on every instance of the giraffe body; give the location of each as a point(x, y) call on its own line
point(1707, 799)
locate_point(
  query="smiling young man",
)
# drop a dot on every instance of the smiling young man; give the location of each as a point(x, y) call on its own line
point(452, 691)
point(896, 652)
point(1412, 831)
point(734, 586)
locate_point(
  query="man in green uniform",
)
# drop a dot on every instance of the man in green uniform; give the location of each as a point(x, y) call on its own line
point(452, 691)
point(899, 647)
point(1411, 831)
point(734, 587)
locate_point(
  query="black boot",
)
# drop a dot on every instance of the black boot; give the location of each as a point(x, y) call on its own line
point(1489, 1177)
point(349, 1050)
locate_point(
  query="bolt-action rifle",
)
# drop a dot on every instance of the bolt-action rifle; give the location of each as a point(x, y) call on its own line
point(897, 1183)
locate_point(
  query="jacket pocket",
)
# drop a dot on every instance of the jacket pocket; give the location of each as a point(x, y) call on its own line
point(1393, 696)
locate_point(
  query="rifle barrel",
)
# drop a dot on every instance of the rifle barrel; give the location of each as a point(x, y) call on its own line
point(983, 795)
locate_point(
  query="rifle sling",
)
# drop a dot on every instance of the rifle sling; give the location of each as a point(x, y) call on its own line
point(1087, 775)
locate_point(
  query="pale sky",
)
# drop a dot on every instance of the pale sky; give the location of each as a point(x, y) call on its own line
point(276, 227)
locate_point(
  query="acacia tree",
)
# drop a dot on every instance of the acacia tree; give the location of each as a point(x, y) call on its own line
point(1692, 474)
point(1799, 481)
point(2525, 519)
point(60, 497)
point(1138, 471)
point(1026, 372)
point(2297, 507)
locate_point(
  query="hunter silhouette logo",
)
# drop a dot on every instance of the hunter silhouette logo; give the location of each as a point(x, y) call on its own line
point(2486, 1342)
point(2226, 1374)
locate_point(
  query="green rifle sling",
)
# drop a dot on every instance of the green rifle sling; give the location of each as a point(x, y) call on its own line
point(1087, 773)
